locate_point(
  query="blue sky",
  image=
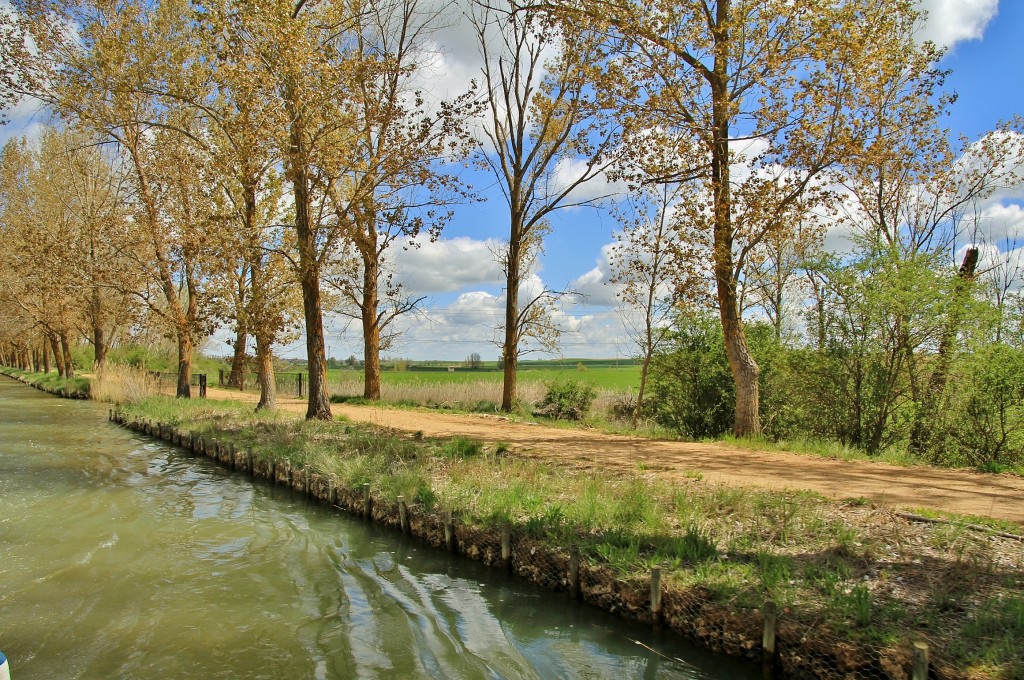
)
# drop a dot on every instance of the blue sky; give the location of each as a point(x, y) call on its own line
point(463, 283)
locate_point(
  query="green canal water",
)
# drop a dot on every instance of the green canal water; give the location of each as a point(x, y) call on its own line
point(125, 558)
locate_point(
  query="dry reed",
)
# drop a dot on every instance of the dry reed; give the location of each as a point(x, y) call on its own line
point(122, 385)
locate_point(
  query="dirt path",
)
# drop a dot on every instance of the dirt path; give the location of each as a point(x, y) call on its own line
point(964, 492)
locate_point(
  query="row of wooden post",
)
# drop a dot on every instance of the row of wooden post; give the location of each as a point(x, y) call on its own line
point(769, 666)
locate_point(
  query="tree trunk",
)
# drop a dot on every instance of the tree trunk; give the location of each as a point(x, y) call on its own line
point(510, 346)
point(371, 329)
point(45, 349)
point(58, 357)
point(921, 434)
point(236, 378)
point(99, 336)
point(297, 170)
point(319, 403)
point(99, 344)
point(643, 385)
point(265, 368)
point(184, 390)
point(745, 371)
point(69, 367)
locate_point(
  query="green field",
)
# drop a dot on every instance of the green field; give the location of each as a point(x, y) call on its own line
point(602, 374)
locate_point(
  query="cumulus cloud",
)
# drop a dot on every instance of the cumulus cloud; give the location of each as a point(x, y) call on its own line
point(595, 285)
point(569, 170)
point(448, 265)
point(1000, 223)
point(951, 21)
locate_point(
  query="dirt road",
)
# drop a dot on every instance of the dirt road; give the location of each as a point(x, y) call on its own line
point(964, 492)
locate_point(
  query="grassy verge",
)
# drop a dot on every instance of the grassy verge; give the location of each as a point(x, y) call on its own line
point(51, 382)
point(845, 572)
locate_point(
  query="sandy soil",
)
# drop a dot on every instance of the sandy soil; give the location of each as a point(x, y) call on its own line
point(960, 491)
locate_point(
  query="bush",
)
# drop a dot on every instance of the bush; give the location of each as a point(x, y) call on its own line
point(691, 386)
point(568, 400)
point(982, 424)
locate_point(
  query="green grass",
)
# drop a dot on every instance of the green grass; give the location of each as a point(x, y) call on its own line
point(992, 637)
point(603, 377)
point(52, 381)
point(957, 519)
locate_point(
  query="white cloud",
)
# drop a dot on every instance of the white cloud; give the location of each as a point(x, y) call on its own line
point(448, 265)
point(569, 170)
point(595, 284)
point(951, 21)
point(1000, 222)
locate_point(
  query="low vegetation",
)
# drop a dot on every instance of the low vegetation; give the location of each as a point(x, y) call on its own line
point(844, 570)
point(51, 382)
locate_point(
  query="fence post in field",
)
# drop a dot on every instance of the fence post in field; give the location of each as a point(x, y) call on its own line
point(220, 377)
point(298, 382)
point(202, 386)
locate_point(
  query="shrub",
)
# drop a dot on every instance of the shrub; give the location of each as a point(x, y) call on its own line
point(691, 386)
point(982, 424)
point(568, 400)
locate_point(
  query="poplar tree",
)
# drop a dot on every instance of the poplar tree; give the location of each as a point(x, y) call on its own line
point(545, 136)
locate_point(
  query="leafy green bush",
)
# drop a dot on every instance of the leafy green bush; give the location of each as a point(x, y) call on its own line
point(691, 389)
point(982, 424)
point(568, 400)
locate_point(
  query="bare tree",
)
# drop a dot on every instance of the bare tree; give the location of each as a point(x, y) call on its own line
point(545, 137)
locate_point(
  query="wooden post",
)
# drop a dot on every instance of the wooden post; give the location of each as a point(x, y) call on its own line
point(506, 545)
point(771, 616)
point(367, 502)
point(920, 661)
point(298, 381)
point(202, 386)
point(449, 531)
point(656, 596)
point(403, 515)
point(574, 572)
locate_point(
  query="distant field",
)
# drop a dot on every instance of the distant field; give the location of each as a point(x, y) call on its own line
point(603, 375)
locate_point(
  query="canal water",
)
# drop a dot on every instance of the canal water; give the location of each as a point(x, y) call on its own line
point(125, 558)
